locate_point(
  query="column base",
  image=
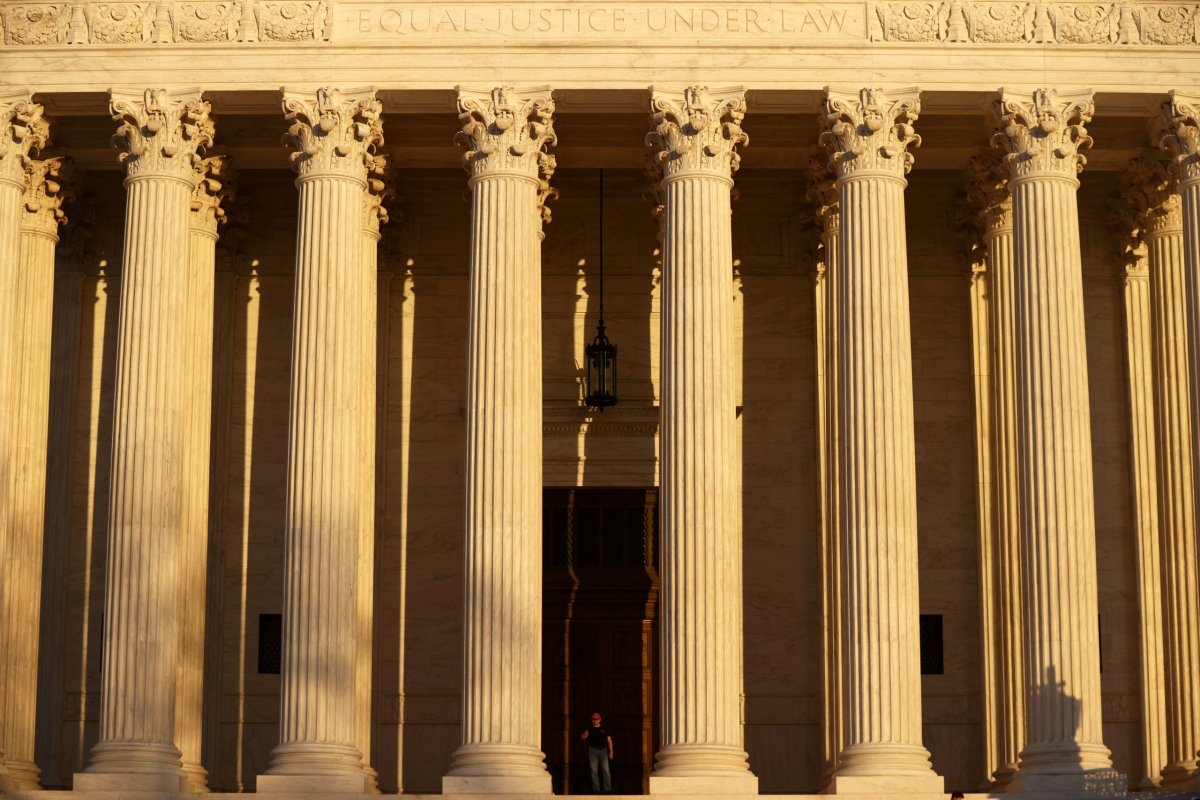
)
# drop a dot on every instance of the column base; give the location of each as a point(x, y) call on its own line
point(1182, 775)
point(888, 785)
point(311, 784)
point(1082, 784)
point(746, 784)
point(23, 776)
point(195, 779)
point(130, 782)
point(497, 784)
point(1003, 777)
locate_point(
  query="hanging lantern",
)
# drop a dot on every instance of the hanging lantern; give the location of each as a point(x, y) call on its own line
point(601, 354)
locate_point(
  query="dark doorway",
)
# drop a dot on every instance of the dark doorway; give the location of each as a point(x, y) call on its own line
point(600, 635)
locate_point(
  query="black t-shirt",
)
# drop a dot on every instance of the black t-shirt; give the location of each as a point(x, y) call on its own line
point(597, 737)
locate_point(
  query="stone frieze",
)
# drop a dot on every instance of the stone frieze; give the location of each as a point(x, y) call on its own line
point(40, 23)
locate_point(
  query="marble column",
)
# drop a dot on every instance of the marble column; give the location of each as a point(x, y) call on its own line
point(23, 132)
point(334, 134)
point(1177, 373)
point(161, 137)
point(823, 196)
point(867, 135)
point(1042, 135)
point(989, 194)
point(212, 188)
point(1138, 181)
point(506, 133)
point(47, 186)
point(379, 191)
point(696, 136)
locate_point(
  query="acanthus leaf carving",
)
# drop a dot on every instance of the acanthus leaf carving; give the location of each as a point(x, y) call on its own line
point(161, 133)
point(1150, 191)
point(381, 192)
point(987, 207)
point(214, 188)
point(509, 130)
point(1044, 133)
point(869, 130)
point(49, 184)
point(333, 131)
point(1181, 137)
point(824, 205)
point(698, 130)
point(23, 133)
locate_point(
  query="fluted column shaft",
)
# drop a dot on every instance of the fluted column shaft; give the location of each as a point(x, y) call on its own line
point(701, 746)
point(161, 135)
point(877, 453)
point(334, 135)
point(1178, 316)
point(998, 240)
point(504, 131)
point(1140, 377)
point(23, 132)
point(1058, 532)
point(822, 192)
point(1176, 491)
point(40, 218)
point(211, 186)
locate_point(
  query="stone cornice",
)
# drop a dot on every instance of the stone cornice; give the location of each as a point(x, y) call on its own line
point(1043, 133)
point(869, 131)
point(332, 131)
point(1181, 137)
point(161, 133)
point(698, 130)
point(215, 185)
point(23, 133)
point(49, 184)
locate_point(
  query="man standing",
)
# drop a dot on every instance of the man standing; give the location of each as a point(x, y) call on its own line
point(600, 752)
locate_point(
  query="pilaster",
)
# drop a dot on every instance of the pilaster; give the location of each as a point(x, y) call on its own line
point(1139, 370)
point(213, 189)
point(334, 134)
point(1176, 377)
point(868, 135)
point(47, 186)
point(1042, 135)
point(506, 133)
point(990, 197)
point(23, 133)
point(161, 137)
point(696, 137)
point(822, 195)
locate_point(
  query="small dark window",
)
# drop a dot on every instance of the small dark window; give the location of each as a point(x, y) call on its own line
point(931, 645)
point(270, 643)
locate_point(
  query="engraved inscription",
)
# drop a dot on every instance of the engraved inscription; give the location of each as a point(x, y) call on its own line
point(358, 20)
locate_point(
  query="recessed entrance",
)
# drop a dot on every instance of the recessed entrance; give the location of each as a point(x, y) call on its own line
point(600, 632)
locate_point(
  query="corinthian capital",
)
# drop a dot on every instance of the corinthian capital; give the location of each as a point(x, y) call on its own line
point(1043, 134)
point(49, 184)
point(214, 187)
point(988, 195)
point(870, 130)
point(509, 130)
point(332, 131)
point(822, 195)
point(698, 130)
point(161, 133)
point(1150, 189)
point(1181, 139)
point(23, 132)
point(381, 190)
